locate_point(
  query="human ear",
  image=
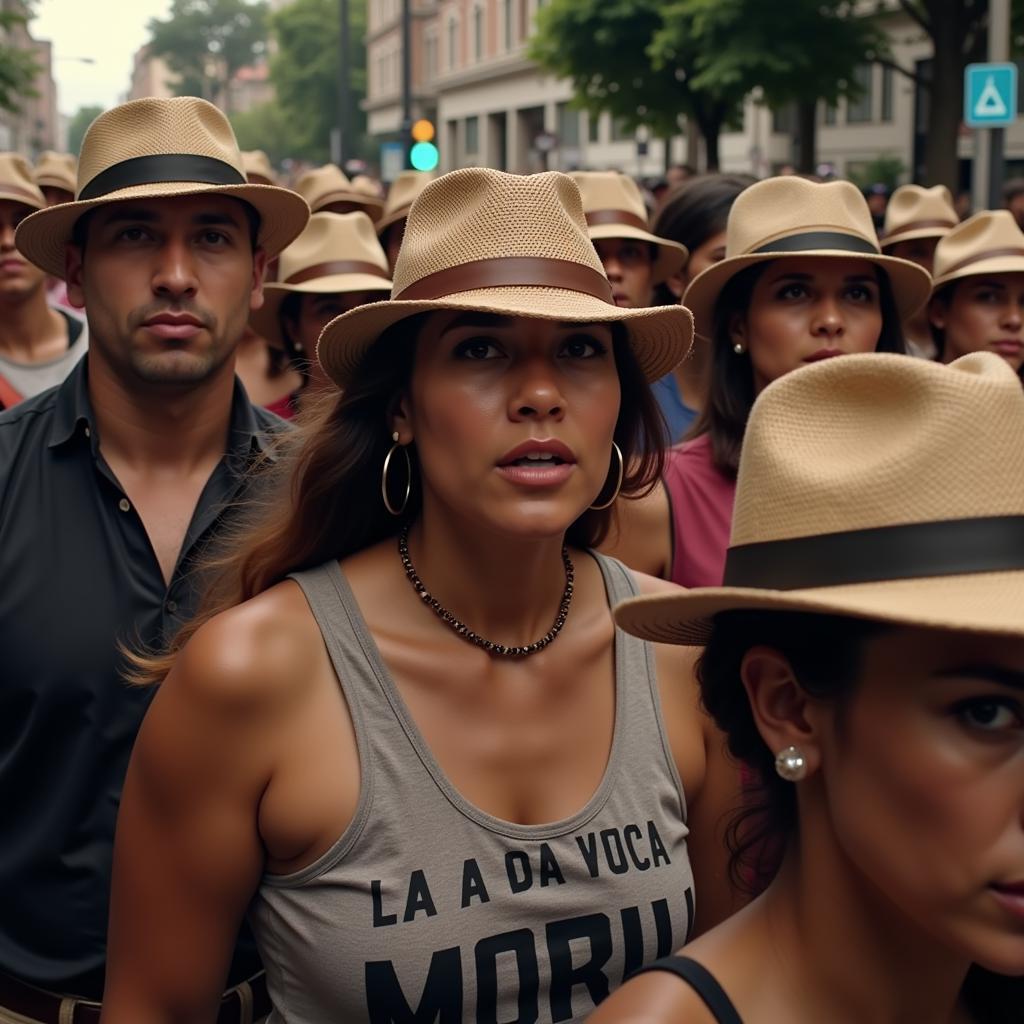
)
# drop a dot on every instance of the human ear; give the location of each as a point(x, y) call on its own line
point(937, 314)
point(73, 275)
point(738, 330)
point(400, 420)
point(785, 715)
point(259, 269)
point(676, 285)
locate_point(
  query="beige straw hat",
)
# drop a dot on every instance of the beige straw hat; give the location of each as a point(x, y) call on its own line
point(159, 148)
point(789, 217)
point(16, 182)
point(338, 252)
point(256, 165)
point(878, 487)
point(614, 208)
point(987, 243)
point(56, 170)
point(916, 212)
point(329, 184)
point(403, 192)
point(509, 244)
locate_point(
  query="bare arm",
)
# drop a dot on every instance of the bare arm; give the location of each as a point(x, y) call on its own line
point(641, 533)
point(188, 855)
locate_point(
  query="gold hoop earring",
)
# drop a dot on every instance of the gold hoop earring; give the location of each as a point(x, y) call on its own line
point(384, 477)
point(618, 483)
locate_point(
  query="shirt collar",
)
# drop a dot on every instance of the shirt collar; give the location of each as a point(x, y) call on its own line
point(73, 416)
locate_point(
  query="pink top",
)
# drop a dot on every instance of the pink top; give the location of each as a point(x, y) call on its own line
point(702, 498)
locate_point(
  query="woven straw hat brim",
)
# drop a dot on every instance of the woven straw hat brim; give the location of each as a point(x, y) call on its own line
point(986, 603)
point(43, 236)
point(20, 197)
point(370, 204)
point(391, 218)
point(996, 265)
point(266, 321)
point(911, 284)
point(48, 181)
point(672, 256)
point(660, 336)
point(910, 236)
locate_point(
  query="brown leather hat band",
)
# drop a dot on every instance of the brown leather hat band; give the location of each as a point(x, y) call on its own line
point(978, 257)
point(336, 267)
point(918, 225)
point(598, 217)
point(510, 272)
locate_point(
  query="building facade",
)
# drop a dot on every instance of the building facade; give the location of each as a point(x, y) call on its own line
point(492, 106)
point(35, 126)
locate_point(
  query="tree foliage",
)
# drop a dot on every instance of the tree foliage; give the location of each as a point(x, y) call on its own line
point(206, 41)
point(604, 48)
point(79, 125)
point(18, 66)
point(305, 75)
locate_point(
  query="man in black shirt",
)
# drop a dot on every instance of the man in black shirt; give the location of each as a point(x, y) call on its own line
point(111, 486)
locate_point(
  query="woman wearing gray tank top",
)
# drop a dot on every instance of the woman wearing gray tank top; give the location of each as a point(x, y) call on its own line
point(405, 734)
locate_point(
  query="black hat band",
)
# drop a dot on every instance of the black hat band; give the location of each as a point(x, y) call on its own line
point(159, 169)
point(952, 547)
point(811, 240)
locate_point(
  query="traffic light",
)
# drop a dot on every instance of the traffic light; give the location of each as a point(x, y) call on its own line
point(423, 155)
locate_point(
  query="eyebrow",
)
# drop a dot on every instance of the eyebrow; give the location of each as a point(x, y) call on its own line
point(991, 673)
point(989, 283)
point(497, 321)
point(140, 215)
point(788, 275)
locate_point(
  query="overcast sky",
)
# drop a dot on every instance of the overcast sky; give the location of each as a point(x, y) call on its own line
point(108, 31)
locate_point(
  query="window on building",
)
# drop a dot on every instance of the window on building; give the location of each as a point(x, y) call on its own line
point(594, 127)
point(784, 120)
point(453, 43)
point(887, 83)
point(430, 57)
point(508, 15)
point(859, 111)
point(472, 135)
point(829, 116)
point(568, 125)
point(621, 132)
point(478, 34)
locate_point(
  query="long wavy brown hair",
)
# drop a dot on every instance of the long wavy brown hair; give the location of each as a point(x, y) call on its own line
point(320, 497)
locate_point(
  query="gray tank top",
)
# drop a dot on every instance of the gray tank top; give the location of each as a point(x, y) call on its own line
point(429, 910)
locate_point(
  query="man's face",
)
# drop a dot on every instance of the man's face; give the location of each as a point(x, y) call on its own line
point(19, 279)
point(167, 285)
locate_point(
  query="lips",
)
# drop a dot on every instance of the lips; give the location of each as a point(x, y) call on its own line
point(174, 326)
point(9, 265)
point(538, 452)
point(823, 353)
point(1008, 346)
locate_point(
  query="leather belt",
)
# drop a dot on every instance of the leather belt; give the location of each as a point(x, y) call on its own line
point(242, 1004)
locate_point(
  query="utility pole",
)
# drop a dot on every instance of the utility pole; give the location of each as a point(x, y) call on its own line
point(344, 150)
point(406, 79)
point(998, 52)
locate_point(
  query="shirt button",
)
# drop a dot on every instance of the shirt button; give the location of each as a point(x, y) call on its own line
point(124, 505)
point(171, 606)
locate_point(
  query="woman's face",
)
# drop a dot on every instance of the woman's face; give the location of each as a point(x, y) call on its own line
point(923, 774)
point(803, 310)
point(983, 314)
point(512, 418)
point(316, 310)
point(629, 264)
point(709, 252)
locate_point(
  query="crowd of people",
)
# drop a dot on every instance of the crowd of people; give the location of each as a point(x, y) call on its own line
point(499, 600)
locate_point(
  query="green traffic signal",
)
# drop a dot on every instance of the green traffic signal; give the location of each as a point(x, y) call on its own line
point(424, 156)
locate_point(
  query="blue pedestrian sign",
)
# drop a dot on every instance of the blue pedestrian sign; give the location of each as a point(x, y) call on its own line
point(990, 95)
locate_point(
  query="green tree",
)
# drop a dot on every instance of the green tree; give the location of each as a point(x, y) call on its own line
point(797, 53)
point(18, 66)
point(205, 42)
point(958, 32)
point(79, 125)
point(605, 48)
point(305, 74)
point(269, 128)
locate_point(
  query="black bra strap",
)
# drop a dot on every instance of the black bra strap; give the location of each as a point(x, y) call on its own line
point(702, 982)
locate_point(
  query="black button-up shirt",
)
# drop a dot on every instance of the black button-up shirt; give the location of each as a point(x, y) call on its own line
point(77, 575)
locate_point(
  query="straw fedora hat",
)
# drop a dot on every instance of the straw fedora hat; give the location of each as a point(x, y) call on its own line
point(16, 182)
point(783, 217)
point(159, 148)
point(338, 252)
point(916, 212)
point(329, 184)
point(876, 487)
point(402, 194)
point(256, 165)
point(514, 245)
point(614, 208)
point(56, 170)
point(987, 243)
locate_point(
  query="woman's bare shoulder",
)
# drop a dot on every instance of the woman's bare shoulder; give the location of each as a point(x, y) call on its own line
point(656, 997)
point(257, 653)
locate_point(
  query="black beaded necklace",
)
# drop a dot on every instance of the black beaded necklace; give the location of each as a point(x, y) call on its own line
point(464, 631)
